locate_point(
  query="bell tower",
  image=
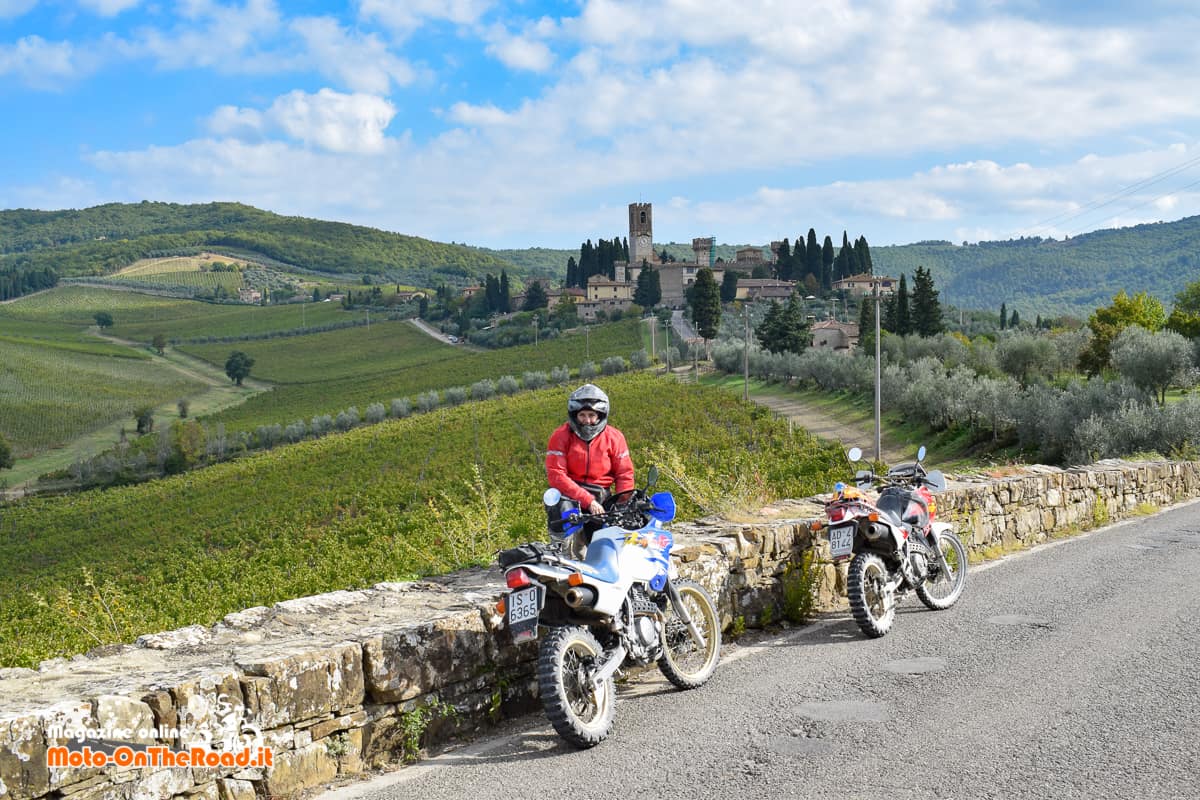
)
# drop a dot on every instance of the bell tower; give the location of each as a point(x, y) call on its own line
point(641, 235)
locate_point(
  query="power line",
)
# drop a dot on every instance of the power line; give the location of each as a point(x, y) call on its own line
point(1106, 200)
point(1148, 202)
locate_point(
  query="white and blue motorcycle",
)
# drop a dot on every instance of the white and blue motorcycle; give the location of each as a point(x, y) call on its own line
point(623, 604)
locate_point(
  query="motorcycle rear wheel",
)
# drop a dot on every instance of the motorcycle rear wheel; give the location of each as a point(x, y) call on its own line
point(873, 607)
point(683, 662)
point(940, 591)
point(580, 712)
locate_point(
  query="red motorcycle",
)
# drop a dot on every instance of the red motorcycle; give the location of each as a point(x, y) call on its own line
point(896, 543)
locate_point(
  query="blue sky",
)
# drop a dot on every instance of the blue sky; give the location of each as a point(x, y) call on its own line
point(531, 123)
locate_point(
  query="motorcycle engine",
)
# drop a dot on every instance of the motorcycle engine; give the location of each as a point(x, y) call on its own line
point(646, 633)
point(918, 561)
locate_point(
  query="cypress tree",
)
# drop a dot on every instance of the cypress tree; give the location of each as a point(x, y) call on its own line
point(505, 298)
point(863, 252)
point(827, 263)
point(783, 262)
point(706, 304)
point(1003, 315)
point(799, 264)
point(866, 324)
point(902, 324)
point(926, 310)
point(812, 258)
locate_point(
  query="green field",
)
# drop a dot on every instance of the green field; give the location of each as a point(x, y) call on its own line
point(367, 367)
point(400, 499)
point(54, 391)
point(383, 347)
point(231, 281)
point(77, 305)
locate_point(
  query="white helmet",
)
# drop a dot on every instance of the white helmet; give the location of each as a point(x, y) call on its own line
point(591, 397)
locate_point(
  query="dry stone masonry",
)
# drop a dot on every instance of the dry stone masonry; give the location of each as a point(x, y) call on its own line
point(348, 681)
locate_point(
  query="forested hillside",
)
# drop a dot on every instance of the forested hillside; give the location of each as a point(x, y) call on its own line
point(100, 240)
point(1053, 277)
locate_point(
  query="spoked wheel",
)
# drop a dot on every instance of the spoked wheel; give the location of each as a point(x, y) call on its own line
point(873, 606)
point(687, 663)
point(941, 589)
point(580, 711)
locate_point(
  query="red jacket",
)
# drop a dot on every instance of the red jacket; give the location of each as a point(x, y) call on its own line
point(604, 461)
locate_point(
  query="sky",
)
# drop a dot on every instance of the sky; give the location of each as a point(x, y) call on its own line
point(532, 123)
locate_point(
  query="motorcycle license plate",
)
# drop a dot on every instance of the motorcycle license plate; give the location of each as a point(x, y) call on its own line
point(841, 541)
point(523, 607)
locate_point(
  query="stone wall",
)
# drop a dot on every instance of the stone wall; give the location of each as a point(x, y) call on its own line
point(343, 682)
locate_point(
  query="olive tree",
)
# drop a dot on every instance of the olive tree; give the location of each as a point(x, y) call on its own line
point(1153, 361)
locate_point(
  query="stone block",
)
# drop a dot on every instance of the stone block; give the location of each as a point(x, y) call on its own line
point(403, 664)
point(285, 688)
point(233, 789)
point(300, 769)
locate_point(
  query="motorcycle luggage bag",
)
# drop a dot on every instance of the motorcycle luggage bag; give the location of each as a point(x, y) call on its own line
point(522, 554)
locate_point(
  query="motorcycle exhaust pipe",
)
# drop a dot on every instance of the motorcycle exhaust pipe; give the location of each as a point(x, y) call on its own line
point(580, 597)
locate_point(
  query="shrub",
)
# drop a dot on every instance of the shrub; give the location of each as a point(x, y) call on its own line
point(508, 385)
point(295, 432)
point(613, 365)
point(534, 380)
point(480, 390)
point(428, 401)
point(560, 375)
point(322, 425)
point(376, 413)
point(346, 419)
point(401, 407)
point(587, 371)
point(456, 395)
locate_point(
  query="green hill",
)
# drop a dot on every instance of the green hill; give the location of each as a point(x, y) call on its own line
point(1054, 277)
point(103, 239)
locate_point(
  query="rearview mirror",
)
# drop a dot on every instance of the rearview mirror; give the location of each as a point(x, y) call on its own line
point(855, 454)
point(921, 453)
point(551, 496)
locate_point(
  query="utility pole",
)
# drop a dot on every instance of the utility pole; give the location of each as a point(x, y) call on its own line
point(653, 327)
point(535, 327)
point(587, 343)
point(746, 356)
point(878, 444)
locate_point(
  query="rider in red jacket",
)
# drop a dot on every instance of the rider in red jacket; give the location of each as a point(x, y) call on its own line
point(587, 459)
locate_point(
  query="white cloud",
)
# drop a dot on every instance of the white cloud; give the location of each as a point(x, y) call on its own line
point(228, 38)
point(329, 120)
point(518, 51)
point(109, 8)
point(359, 62)
point(403, 17)
point(10, 9)
point(42, 64)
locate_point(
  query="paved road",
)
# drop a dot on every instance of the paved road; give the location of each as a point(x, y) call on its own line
point(1067, 672)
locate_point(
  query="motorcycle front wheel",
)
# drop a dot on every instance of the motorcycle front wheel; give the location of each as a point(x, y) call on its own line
point(871, 604)
point(581, 712)
point(685, 662)
point(941, 589)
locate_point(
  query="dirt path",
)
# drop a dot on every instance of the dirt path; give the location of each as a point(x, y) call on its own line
point(820, 423)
